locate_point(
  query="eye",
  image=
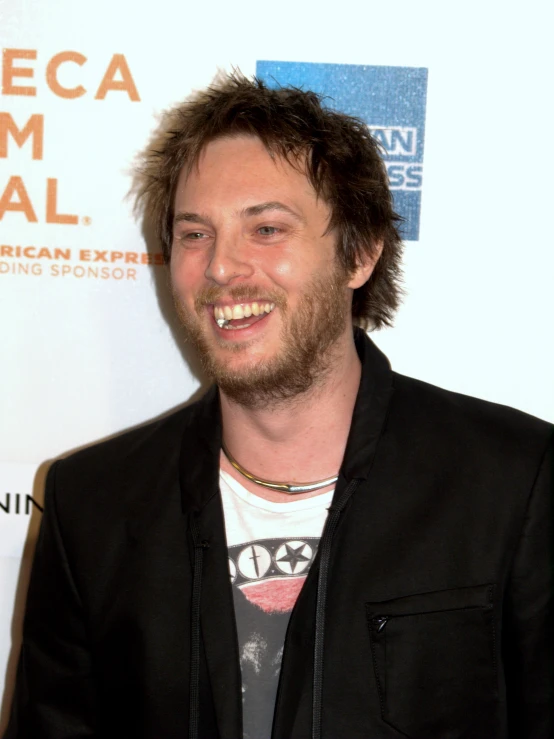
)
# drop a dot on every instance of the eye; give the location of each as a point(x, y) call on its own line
point(194, 235)
point(268, 230)
point(192, 239)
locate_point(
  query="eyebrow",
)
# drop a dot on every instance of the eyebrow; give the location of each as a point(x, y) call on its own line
point(252, 210)
point(191, 218)
point(256, 210)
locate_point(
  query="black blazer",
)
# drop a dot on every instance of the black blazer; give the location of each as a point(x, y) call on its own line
point(437, 622)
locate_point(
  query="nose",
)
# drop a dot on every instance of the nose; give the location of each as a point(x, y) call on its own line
point(229, 260)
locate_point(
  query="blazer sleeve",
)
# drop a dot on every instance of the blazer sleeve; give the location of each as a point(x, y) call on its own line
point(54, 693)
point(528, 625)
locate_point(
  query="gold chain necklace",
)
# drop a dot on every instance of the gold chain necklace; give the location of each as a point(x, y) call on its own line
point(291, 488)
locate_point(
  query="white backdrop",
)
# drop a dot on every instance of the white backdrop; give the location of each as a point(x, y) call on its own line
point(84, 356)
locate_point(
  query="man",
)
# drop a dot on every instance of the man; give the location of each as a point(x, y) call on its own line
point(319, 547)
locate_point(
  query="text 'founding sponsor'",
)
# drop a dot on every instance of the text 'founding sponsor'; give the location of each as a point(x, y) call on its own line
point(97, 264)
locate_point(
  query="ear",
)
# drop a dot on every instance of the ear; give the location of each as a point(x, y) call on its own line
point(365, 267)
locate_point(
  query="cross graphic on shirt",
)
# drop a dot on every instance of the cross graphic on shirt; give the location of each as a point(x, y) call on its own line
point(255, 557)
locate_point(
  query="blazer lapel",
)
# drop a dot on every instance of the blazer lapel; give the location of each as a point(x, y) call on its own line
point(370, 411)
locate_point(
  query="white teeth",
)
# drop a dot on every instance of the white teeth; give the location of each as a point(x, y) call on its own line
point(223, 315)
point(238, 311)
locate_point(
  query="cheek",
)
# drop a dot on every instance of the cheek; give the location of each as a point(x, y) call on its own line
point(285, 265)
point(303, 258)
point(295, 269)
point(283, 269)
point(176, 276)
point(186, 275)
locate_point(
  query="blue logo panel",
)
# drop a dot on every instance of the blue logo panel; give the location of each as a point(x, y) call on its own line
point(391, 100)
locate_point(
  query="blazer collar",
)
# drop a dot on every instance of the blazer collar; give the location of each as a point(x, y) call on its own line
point(201, 442)
point(370, 409)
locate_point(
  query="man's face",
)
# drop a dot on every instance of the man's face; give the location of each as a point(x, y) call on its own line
point(254, 273)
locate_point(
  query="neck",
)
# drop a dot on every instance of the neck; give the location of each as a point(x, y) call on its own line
point(298, 440)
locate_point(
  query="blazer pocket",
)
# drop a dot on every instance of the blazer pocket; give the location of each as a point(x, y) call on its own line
point(434, 661)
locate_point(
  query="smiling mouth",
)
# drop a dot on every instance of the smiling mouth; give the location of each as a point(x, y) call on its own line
point(241, 315)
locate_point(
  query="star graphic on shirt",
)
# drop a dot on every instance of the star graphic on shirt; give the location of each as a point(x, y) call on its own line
point(294, 556)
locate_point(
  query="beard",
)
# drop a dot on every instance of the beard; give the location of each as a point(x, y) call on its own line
point(308, 342)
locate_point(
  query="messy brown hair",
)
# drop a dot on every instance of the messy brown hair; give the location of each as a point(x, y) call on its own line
point(342, 161)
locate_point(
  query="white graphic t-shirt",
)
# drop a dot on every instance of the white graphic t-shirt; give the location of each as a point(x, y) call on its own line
point(271, 547)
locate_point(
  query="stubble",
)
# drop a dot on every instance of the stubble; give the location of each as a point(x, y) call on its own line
point(308, 343)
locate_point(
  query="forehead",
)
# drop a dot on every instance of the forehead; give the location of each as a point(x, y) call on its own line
point(241, 166)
